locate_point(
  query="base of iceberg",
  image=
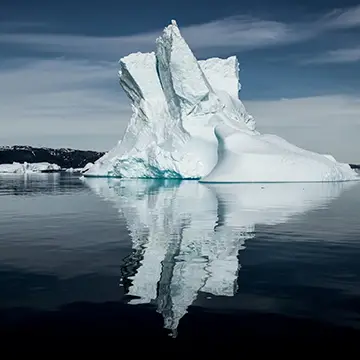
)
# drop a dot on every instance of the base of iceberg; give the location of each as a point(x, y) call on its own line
point(189, 123)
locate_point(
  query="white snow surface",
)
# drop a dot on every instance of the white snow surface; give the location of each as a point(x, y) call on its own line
point(188, 122)
point(28, 168)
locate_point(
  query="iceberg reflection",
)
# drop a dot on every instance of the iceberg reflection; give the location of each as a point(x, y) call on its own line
point(186, 236)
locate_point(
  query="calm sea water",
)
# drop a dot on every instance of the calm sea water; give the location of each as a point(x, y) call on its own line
point(149, 258)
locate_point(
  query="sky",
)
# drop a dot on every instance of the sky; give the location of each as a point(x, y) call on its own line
point(299, 60)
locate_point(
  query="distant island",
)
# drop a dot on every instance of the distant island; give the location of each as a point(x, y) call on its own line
point(65, 158)
point(355, 166)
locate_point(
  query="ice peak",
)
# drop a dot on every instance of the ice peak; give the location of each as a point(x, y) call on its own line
point(180, 74)
point(171, 31)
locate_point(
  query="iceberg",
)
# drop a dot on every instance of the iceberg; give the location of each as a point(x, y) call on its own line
point(28, 168)
point(80, 170)
point(189, 123)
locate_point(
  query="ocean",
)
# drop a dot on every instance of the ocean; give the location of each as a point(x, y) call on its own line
point(178, 261)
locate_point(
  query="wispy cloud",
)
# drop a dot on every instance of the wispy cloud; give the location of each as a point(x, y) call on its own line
point(347, 55)
point(29, 75)
point(236, 32)
point(85, 46)
point(343, 18)
point(244, 32)
point(239, 32)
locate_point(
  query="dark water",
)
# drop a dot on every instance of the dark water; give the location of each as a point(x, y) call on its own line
point(146, 259)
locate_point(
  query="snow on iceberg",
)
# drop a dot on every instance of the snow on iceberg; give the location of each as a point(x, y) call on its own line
point(269, 158)
point(188, 122)
point(28, 168)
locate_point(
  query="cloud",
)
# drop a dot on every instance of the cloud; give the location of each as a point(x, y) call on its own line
point(81, 45)
point(337, 56)
point(239, 32)
point(47, 99)
point(338, 19)
point(325, 124)
point(245, 32)
point(29, 75)
point(327, 110)
point(343, 18)
point(236, 32)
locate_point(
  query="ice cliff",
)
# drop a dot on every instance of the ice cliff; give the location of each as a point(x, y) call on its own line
point(188, 122)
